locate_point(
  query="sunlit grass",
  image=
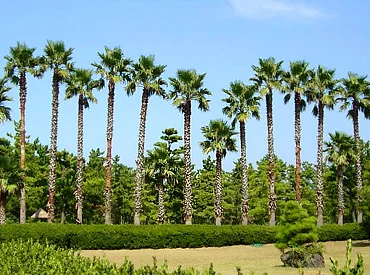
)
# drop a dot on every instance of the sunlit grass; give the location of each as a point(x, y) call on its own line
point(225, 259)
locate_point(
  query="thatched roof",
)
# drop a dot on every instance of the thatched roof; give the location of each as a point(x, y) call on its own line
point(40, 214)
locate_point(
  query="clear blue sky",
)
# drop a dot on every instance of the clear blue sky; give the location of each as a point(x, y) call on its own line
point(220, 37)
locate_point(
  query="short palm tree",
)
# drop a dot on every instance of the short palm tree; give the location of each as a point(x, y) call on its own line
point(162, 164)
point(340, 152)
point(7, 183)
point(268, 77)
point(21, 61)
point(4, 99)
point(58, 59)
point(188, 87)
point(218, 138)
point(147, 76)
point(242, 104)
point(355, 96)
point(322, 88)
point(113, 68)
point(296, 82)
point(81, 84)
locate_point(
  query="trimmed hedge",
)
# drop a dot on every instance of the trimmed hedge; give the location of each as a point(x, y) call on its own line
point(162, 236)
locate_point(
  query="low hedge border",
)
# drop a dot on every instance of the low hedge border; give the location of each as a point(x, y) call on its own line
point(162, 236)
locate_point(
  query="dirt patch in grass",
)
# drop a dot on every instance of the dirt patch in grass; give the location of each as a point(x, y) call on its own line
point(225, 259)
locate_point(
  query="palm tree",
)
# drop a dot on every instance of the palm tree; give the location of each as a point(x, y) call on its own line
point(20, 62)
point(81, 84)
point(296, 82)
point(268, 78)
point(162, 164)
point(219, 139)
point(8, 178)
point(322, 86)
point(355, 96)
point(4, 99)
point(340, 152)
point(188, 86)
point(58, 59)
point(146, 75)
point(243, 104)
point(114, 68)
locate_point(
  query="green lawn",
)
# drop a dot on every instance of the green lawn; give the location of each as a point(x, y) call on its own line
point(225, 259)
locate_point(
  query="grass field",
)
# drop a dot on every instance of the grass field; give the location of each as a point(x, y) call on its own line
point(225, 259)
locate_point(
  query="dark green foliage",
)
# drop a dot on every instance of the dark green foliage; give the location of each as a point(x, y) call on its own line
point(297, 227)
point(161, 236)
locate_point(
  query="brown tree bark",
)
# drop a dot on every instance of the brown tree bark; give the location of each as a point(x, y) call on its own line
point(297, 139)
point(187, 159)
point(108, 164)
point(244, 177)
point(271, 155)
point(140, 157)
point(53, 146)
point(79, 178)
point(22, 101)
point(218, 188)
point(340, 195)
point(319, 171)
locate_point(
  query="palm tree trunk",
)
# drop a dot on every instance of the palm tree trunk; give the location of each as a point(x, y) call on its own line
point(53, 147)
point(356, 134)
point(243, 162)
point(108, 165)
point(218, 188)
point(161, 201)
point(271, 173)
point(63, 215)
point(187, 161)
point(340, 195)
point(2, 210)
point(79, 180)
point(320, 185)
point(297, 139)
point(22, 101)
point(140, 156)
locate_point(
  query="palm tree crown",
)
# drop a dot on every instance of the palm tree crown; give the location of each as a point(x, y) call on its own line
point(219, 137)
point(242, 102)
point(4, 99)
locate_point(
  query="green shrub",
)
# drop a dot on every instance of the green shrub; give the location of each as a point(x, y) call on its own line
point(297, 227)
point(161, 236)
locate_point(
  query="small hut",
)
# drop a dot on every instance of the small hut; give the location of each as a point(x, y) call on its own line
point(40, 214)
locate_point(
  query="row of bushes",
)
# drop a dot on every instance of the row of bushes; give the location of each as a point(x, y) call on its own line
point(162, 236)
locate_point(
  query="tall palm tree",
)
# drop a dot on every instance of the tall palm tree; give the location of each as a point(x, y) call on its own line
point(242, 104)
point(162, 164)
point(218, 138)
point(114, 68)
point(81, 84)
point(4, 99)
point(147, 76)
point(296, 82)
point(188, 87)
point(268, 77)
point(57, 58)
point(340, 152)
point(21, 61)
point(322, 87)
point(355, 96)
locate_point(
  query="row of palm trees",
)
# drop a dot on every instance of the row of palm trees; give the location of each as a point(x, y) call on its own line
point(243, 101)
